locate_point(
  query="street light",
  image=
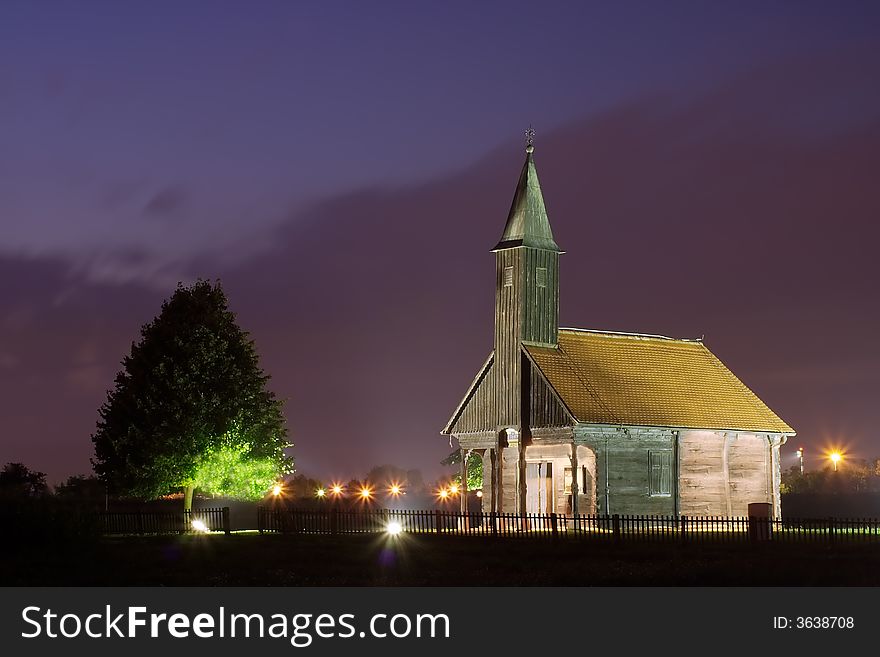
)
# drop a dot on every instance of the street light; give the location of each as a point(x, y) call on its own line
point(276, 490)
point(320, 493)
point(800, 453)
point(836, 458)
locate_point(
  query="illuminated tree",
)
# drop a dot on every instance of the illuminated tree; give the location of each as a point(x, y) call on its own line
point(191, 408)
point(474, 469)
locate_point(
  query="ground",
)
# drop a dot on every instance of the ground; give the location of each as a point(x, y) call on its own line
point(284, 560)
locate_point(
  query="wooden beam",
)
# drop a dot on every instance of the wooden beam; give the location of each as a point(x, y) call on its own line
point(575, 489)
point(463, 489)
point(493, 479)
point(521, 474)
point(499, 476)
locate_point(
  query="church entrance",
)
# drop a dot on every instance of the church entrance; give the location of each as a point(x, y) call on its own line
point(539, 488)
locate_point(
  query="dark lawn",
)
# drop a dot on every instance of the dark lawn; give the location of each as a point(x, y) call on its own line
point(276, 560)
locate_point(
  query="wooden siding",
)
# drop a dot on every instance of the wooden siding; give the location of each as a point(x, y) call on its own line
point(506, 370)
point(478, 413)
point(748, 463)
point(546, 409)
point(623, 474)
point(523, 312)
point(702, 473)
point(540, 308)
point(723, 472)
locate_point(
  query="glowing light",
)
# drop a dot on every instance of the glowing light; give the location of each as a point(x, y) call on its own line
point(479, 493)
point(394, 528)
point(836, 457)
point(320, 492)
point(453, 489)
point(200, 526)
point(443, 493)
point(336, 490)
point(366, 493)
point(395, 490)
point(276, 490)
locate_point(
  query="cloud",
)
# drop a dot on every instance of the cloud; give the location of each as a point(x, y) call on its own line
point(372, 310)
point(168, 203)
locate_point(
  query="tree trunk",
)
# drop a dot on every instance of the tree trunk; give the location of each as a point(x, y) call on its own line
point(188, 498)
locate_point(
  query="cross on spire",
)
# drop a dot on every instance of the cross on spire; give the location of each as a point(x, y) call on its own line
point(530, 139)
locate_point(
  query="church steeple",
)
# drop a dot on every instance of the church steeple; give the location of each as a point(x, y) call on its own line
point(527, 222)
point(526, 291)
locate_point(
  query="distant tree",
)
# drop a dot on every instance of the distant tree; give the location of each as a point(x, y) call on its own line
point(474, 469)
point(191, 408)
point(853, 476)
point(85, 490)
point(17, 480)
point(415, 482)
point(302, 487)
point(382, 476)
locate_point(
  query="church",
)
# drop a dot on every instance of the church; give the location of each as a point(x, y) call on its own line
point(580, 421)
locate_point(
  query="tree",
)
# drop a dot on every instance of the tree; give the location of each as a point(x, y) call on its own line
point(382, 476)
point(83, 490)
point(17, 480)
point(474, 469)
point(853, 476)
point(191, 408)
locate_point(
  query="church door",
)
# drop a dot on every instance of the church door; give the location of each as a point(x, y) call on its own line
point(539, 488)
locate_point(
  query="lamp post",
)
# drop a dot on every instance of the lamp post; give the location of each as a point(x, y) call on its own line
point(800, 453)
point(835, 459)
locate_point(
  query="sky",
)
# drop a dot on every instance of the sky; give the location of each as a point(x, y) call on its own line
point(344, 168)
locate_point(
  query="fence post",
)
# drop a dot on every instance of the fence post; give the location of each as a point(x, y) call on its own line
point(831, 528)
point(684, 521)
point(553, 526)
point(615, 527)
point(227, 527)
point(334, 521)
point(437, 521)
point(140, 523)
point(493, 519)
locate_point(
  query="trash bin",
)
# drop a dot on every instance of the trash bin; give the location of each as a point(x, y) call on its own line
point(760, 521)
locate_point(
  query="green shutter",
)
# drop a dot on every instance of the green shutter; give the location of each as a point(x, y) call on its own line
point(660, 472)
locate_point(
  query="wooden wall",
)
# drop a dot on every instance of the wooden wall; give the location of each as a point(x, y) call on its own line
point(623, 455)
point(721, 473)
point(718, 473)
point(748, 462)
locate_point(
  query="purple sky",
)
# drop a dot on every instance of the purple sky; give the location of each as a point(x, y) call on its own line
point(709, 169)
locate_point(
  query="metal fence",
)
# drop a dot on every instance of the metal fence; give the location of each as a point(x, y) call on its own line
point(165, 522)
point(623, 528)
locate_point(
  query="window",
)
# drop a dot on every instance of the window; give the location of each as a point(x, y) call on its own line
point(660, 472)
point(508, 276)
point(541, 277)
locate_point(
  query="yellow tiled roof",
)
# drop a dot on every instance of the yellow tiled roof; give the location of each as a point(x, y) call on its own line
point(619, 378)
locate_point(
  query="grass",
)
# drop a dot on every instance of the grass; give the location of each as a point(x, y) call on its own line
point(285, 560)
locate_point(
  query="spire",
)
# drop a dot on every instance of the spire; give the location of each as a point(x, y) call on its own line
point(527, 223)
